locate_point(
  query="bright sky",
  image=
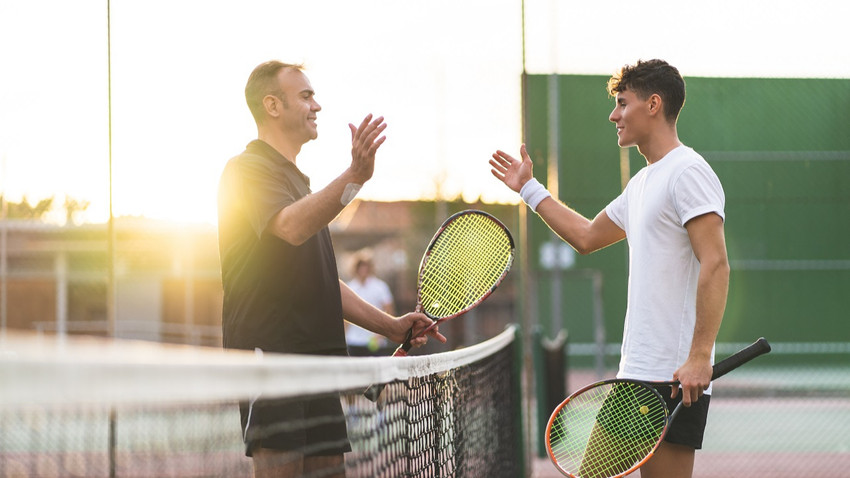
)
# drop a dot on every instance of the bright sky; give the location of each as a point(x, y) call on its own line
point(445, 74)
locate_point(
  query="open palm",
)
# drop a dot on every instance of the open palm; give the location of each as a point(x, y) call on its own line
point(514, 173)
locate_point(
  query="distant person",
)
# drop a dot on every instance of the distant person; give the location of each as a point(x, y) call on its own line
point(375, 291)
point(282, 292)
point(671, 213)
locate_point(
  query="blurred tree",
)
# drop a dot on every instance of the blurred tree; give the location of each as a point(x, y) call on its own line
point(72, 207)
point(24, 210)
point(39, 211)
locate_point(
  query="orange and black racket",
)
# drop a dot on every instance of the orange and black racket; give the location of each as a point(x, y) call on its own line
point(611, 428)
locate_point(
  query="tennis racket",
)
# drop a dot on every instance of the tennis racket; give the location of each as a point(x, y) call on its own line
point(611, 428)
point(463, 264)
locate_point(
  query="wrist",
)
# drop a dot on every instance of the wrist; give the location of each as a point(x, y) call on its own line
point(533, 193)
point(351, 184)
point(349, 192)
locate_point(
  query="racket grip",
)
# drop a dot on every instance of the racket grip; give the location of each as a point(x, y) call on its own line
point(759, 347)
point(405, 347)
point(374, 390)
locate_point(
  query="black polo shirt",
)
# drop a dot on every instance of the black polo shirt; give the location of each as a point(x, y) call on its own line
point(277, 296)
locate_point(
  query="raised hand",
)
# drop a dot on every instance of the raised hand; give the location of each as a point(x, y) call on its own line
point(514, 173)
point(365, 141)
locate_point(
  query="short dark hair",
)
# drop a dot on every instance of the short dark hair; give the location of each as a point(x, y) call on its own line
point(646, 78)
point(263, 82)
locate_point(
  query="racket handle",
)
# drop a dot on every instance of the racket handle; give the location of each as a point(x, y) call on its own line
point(374, 390)
point(405, 346)
point(759, 347)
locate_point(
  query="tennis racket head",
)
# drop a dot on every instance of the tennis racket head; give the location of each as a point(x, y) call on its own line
point(611, 428)
point(607, 429)
point(465, 261)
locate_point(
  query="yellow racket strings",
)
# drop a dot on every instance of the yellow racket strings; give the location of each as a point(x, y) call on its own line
point(467, 260)
point(606, 430)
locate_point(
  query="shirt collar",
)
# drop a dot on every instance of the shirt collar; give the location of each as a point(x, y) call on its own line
point(261, 148)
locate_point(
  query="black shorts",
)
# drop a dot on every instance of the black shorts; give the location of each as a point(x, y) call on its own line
point(313, 426)
point(689, 426)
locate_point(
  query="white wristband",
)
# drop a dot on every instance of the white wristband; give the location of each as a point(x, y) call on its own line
point(533, 193)
point(348, 194)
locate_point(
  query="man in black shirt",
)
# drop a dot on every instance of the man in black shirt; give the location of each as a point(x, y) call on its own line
point(282, 292)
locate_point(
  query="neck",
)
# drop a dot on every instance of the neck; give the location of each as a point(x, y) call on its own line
point(287, 148)
point(659, 145)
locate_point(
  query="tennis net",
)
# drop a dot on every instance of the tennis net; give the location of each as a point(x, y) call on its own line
point(97, 408)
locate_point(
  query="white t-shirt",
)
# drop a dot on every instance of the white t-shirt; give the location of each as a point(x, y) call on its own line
point(376, 292)
point(663, 271)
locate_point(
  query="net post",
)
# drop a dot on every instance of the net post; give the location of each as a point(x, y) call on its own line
point(555, 366)
point(113, 442)
point(539, 387)
point(518, 361)
point(550, 359)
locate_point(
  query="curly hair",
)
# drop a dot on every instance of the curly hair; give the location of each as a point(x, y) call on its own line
point(649, 77)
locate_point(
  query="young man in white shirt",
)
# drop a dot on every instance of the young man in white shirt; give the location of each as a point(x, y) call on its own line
point(672, 214)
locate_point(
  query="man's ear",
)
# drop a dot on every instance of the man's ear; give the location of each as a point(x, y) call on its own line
point(272, 104)
point(655, 104)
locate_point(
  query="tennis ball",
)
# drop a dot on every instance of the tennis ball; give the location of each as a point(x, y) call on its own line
point(644, 410)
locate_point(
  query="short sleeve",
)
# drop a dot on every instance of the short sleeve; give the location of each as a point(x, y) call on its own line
point(616, 210)
point(264, 193)
point(698, 191)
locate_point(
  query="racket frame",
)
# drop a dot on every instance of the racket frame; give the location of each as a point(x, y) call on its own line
point(649, 386)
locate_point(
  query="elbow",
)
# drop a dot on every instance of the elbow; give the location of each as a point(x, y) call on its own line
point(282, 230)
point(295, 240)
point(726, 271)
point(719, 267)
point(292, 237)
point(585, 245)
point(722, 265)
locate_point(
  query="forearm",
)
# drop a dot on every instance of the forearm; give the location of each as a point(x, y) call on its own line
point(363, 314)
point(584, 235)
point(569, 225)
point(712, 291)
point(302, 219)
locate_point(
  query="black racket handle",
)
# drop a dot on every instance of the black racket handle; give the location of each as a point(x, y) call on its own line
point(374, 390)
point(759, 347)
point(405, 346)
